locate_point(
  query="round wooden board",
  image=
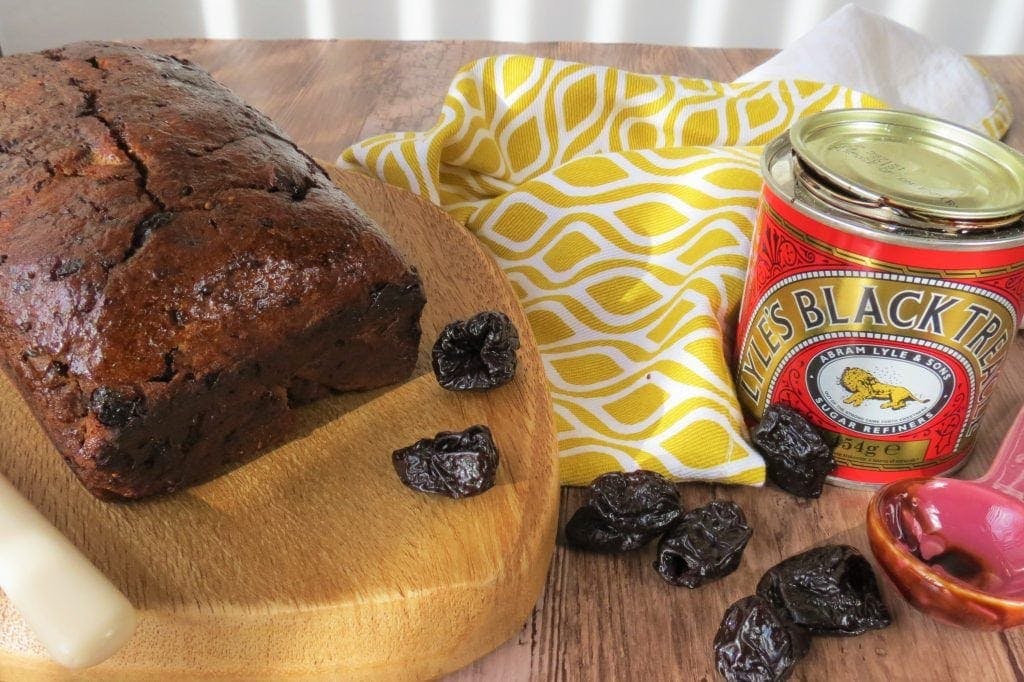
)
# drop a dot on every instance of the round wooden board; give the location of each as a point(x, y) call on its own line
point(314, 560)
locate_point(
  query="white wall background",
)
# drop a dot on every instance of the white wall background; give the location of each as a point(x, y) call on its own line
point(971, 26)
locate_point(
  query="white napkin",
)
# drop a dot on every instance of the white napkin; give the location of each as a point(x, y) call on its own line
point(873, 54)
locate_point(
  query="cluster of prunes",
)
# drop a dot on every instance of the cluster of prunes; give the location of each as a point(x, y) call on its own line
point(828, 590)
point(477, 354)
point(625, 511)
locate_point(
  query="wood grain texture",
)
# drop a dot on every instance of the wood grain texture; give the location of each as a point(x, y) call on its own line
point(604, 618)
point(314, 560)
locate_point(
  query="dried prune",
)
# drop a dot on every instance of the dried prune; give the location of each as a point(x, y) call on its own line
point(796, 456)
point(456, 464)
point(755, 644)
point(476, 354)
point(623, 512)
point(587, 530)
point(115, 407)
point(705, 544)
point(829, 590)
point(635, 502)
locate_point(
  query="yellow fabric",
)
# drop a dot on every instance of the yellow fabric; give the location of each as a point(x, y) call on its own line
point(621, 206)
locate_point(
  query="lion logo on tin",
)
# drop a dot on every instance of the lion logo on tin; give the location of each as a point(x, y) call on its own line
point(863, 385)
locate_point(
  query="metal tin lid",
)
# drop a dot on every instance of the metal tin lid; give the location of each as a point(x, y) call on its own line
point(914, 165)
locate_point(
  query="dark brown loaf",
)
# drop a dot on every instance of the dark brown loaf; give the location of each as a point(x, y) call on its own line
point(174, 273)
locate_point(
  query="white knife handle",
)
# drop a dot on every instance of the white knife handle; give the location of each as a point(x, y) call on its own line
point(74, 610)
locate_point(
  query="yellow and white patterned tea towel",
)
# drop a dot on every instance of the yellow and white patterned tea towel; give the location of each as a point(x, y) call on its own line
point(620, 205)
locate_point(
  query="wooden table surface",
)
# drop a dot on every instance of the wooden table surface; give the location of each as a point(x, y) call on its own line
point(612, 617)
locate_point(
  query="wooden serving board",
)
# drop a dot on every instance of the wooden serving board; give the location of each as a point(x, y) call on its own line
point(314, 560)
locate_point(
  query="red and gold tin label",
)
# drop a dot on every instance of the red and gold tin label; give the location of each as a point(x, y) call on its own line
point(889, 339)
